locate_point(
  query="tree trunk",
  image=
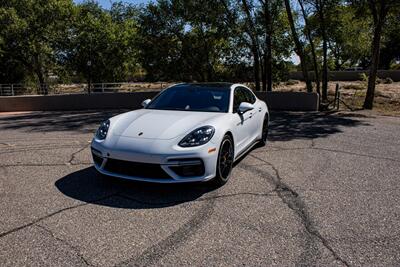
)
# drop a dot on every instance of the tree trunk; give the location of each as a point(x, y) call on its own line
point(39, 73)
point(42, 82)
point(369, 98)
point(314, 56)
point(320, 9)
point(268, 43)
point(264, 72)
point(209, 68)
point(379, 16)
point(299, 47)
point(324, 68)
point(254, 44)
point(269, 65)
point(256, 67)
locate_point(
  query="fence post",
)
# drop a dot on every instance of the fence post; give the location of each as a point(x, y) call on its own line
point(12, 89)
point(337, 97)
point(102, 87)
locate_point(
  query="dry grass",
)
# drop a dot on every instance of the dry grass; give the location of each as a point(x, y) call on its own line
point(109, 87)
point(386, 102)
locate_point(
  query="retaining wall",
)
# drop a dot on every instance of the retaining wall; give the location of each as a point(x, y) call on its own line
point(297, 101)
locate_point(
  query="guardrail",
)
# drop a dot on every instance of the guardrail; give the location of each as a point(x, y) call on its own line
point(60, 89)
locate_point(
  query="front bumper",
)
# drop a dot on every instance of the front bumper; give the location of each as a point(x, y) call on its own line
point(154, 161)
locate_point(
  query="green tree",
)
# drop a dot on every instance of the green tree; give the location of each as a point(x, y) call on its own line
point(299, 46)
point(182, 40)
point(102, 43)
point(32, 34)
point(260, 30)
point(390, 50)
point(308, 34)
point(349, 36)
point(379, 10)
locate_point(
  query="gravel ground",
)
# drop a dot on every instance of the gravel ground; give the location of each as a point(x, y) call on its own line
point(324, 191)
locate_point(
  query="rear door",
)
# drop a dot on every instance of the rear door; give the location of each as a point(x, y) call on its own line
point(254, 127)
point(243, 124)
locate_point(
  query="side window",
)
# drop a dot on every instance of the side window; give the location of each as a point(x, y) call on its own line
point(249, 95)
point(239, 96)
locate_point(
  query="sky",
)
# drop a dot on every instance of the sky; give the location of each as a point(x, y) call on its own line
point(107, 3)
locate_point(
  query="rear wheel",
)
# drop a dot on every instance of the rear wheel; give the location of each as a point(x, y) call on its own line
point(264, 135)
point(225, 161)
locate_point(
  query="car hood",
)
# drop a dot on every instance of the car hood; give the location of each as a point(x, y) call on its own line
point(159, 124)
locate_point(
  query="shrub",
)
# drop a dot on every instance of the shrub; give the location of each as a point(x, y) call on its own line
point(364, 77)
point(291, 82)
point(388, 80)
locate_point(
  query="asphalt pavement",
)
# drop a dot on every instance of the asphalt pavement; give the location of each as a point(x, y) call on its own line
point(324, 191)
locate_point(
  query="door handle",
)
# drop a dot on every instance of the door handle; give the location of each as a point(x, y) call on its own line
point(251, 115)
point(260, 109)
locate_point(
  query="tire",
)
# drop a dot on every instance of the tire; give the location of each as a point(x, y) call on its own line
point(265, 128)
point(224, 161)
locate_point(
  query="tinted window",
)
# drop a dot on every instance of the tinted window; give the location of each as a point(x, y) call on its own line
point(192, 98)
point(250, 98)
point(239, 97)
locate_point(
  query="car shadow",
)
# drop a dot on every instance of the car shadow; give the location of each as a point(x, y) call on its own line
point(286, 126)
point(48, 121)
point(283, 125)
point(89, 186)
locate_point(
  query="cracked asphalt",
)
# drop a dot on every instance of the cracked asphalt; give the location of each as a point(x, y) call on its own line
point(324, 191)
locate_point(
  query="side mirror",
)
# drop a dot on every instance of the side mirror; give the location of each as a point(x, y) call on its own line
point(146, 102)
point(244, 107)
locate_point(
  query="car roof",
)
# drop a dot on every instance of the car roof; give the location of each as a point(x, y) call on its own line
point(208, 85)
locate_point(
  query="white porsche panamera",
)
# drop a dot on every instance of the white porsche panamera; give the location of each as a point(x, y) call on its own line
point(187, 133)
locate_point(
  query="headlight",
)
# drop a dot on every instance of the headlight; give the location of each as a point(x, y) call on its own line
point(198, 137)
point(101, 133)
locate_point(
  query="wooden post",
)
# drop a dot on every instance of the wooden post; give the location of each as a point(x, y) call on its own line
point(337, 97)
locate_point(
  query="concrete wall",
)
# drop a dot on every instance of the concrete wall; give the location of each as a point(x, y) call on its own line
point(276, 101)
point(349, 75)
point(74, 101)
point(294, 101)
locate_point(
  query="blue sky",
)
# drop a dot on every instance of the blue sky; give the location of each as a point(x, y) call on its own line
point(107, 3)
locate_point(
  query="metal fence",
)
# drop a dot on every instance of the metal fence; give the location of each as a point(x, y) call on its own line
point(57, 89)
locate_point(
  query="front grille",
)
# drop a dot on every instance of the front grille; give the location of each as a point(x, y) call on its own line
point(138, 169)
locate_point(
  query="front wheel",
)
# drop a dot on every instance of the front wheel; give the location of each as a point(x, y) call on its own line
point(225, 161)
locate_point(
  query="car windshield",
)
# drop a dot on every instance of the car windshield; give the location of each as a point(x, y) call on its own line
point(193, 98)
